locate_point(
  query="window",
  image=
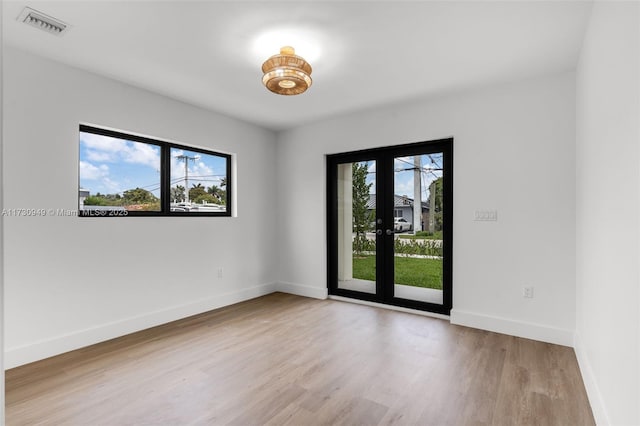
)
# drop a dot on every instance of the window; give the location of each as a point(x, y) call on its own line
point(127, 175)
point(397, 213)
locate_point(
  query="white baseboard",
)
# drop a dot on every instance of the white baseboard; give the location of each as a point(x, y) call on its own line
point(593, 391)
point(17, 356)
point(302, 290)
point(543, 333)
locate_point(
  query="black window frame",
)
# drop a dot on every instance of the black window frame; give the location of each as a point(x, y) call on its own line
point(165, 177)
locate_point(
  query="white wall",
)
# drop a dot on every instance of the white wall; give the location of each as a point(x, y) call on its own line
point(608, 211)
point(74, 281)
point(1, 240)
point(514, 151)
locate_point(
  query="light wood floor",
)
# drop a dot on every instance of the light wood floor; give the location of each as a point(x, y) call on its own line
point(283, 359)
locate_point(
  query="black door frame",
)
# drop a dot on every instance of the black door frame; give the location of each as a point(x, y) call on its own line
point(384, 158)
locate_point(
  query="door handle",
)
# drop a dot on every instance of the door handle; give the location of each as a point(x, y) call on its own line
point(379, 232)
point(389, 232)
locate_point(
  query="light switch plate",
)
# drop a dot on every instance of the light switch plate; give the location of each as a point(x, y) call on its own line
point(486, 215)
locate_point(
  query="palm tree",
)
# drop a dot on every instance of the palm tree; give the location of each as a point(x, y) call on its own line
point(196, 192)
point(177, 193)
point(215, 191)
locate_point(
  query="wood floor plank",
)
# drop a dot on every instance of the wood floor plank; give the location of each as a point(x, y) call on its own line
point(287, 360)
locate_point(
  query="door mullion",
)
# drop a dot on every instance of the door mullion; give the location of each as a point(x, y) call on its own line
point(386, 247)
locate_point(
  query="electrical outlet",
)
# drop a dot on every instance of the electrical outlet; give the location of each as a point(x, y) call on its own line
point(527, 292)
point(220, 272)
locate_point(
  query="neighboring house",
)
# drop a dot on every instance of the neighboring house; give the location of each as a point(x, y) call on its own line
point(403, 207)
point(83, 194)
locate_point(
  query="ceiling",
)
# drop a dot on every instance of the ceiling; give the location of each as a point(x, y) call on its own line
point(363, 53)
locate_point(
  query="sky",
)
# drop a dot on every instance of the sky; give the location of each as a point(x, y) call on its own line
point(111, 165)
point(403, 179)
point(203, 169)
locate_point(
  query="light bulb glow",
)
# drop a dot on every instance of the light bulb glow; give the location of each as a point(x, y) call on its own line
point(287, 84)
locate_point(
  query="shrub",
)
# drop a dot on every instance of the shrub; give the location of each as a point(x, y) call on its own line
point(419, 247)
point(363, 245)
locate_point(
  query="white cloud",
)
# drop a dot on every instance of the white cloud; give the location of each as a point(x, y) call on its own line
point(140, 153)
point(402, 162)
point(199, 172)
point(100, 156)
point(102, 143)
point(404, 187)
point(101, 148)
point(90, 172)
point(112, 187)
point(202, 169)
point(177, 166)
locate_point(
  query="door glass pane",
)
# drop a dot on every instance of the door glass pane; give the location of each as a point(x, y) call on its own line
point(356, 226)
point(417, 257)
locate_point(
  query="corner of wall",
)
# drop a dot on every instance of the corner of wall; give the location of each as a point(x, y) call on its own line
point(607, 338)
point(591, 386)
point(527, 330)
point(302, 290)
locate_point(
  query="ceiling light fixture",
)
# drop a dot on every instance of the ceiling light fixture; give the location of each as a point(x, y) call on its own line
point(286, 73)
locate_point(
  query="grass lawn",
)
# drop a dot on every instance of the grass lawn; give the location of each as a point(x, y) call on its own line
point(409, 271)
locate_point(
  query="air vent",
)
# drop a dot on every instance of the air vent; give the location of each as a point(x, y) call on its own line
point(42, 21)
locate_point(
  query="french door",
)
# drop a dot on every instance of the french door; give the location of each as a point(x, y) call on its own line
point(390, 225)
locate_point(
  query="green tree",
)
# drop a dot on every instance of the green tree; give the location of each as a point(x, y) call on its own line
point(196, 190)
point(177, 193)
point(219, 194)
point(138, 196)
point(215, 191)
point(436, 191)
point(198, 194)
point(361, 216)
point(223, 197)
point(94, 200)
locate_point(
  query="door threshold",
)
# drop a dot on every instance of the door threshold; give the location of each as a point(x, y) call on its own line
point(390, 307)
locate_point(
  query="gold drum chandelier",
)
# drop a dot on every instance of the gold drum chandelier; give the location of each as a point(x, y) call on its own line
point(286, 73)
